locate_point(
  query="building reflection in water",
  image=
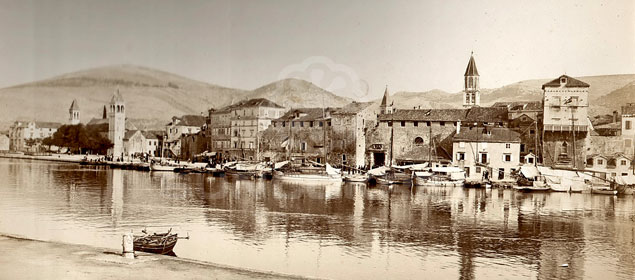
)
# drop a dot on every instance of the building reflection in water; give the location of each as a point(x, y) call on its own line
point(332, 231)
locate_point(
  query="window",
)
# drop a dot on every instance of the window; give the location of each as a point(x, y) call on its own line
point(403, 123)
point(600, 161)
point(484, 158)
point(624, 174)
point(532, 132)
point(460, 156)
point(627, 125)
point(321, 124)
point(284, 124)
point(478, 169)
point(292, 124)
point(427, 123)
point(522, 148)
point(508, 146)
point(251, 144)
point(623, 162)
point(416, 123)
point(303, 146)
point(418, 141)
point(301, 124)
point(442, 123)
point(311, 124)
point(530, 160)
point(343, 158)
point(389, 123)
point(507, 157)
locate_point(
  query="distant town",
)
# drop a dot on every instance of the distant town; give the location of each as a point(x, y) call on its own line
point(497, 140)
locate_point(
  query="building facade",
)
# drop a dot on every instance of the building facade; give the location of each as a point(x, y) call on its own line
point(348, 133)
point(4, 143)
point(628, 128)
point(137, 142)
point(566, 124)
point(25, 136)
point(178, 127)
point(525, 117)
point(494, 151)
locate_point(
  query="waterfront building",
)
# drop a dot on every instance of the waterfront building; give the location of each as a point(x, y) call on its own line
point(628, 128)
point(180, 126)
point(248, 119)
point(4, 142)
point(193, 144)
point(495, 149)
point(472, 86)
point(301, 133)
point(566, 124)
point(138, 142)
point(116, 125)
point(219, 130)
point(348, 137)
point(26, 136)
point(73, 113)
point(612, 165)
point(525, 117)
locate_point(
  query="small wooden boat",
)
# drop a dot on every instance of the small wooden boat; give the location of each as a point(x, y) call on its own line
point(359, 178)
point(156, 243)
point(158, 167)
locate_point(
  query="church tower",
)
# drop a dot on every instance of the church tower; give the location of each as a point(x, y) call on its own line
point(472, 91)
point(384, 108)
point(73, 113)
point(116, 124)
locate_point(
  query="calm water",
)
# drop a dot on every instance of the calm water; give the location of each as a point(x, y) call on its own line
point(336, 231)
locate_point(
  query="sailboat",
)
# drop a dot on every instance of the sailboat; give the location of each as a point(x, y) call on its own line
point(162, 166)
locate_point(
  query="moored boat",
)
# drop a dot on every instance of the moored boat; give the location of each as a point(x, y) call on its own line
point(159, 167)
point(156, 243)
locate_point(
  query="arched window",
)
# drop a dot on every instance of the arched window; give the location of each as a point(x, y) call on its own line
point(122, 108)
point(418, 141)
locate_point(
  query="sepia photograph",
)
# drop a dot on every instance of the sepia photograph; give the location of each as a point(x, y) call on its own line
point(303, 139)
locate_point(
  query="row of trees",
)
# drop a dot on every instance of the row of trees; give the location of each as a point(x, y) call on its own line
point(79, 139)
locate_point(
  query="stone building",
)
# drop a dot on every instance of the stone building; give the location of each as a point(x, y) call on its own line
point(73, 113)
point(248, 119)
point(628, 128)
point(566, 124)
point(116, 124)
point(348, 133)
point(26, 136)
point(138, 142)
point(302, 133)
point(193, 144)
point(422, 135)
point(219, 130)
point(178, 127)
point(495, 149)
point(525, 117)
point(4, 142)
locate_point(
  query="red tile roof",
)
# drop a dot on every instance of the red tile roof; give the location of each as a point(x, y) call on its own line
point(480, 134)
point(571, 82)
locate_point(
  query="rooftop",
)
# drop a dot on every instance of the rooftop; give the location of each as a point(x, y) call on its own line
point(306, 114)
point(74, 106)
point(425, 115)
point(352, 108)
point(487, 134)
point(471, 68)
point(520, 105)
point(570, 82)
point(189, 120)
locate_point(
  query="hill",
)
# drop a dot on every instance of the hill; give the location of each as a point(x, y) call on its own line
point(149, 94)
point(600, 94)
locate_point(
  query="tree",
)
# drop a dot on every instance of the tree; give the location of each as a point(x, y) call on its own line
point(79, 138)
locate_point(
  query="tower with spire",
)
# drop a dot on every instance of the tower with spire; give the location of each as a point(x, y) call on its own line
point(384, 107)
point(472, 89)
point(116, 124)
point(73, 113)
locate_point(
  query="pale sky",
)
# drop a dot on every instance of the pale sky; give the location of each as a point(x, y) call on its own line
point(407, 45)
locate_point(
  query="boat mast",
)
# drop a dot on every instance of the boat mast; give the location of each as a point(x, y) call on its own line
point(573, 132)
point(536, 141)
point(392, 134)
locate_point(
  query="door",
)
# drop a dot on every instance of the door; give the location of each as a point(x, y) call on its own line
point(501, 173)
point(379, 159)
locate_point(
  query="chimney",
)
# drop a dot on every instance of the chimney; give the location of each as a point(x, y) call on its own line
point(615, 116)
point(458, 127)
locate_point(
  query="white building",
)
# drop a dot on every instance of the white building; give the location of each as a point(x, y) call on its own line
point(4, 142)
point(628, 128)
point(26, 135)
point(137, 142)
point(496, 149)
point(179, 126)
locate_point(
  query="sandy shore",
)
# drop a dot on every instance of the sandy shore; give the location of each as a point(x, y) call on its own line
point(31, 259)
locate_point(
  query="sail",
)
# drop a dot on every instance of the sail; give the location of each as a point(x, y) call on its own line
point(529, 171)
point(331, 171)
point(379, 171)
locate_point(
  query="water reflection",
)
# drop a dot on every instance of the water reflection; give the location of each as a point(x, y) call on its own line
point(330, 231)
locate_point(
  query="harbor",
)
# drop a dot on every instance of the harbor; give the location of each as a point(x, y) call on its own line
point(328, 230)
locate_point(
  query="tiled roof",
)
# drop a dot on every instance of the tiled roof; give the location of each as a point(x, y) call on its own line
point(352, 108)
point(190, 120)
point(48, 124)
point(628, 109)
point(248, 103)
point(571, 82)
point(479, 134)
point(471, 68)
point(152, 134)
point(305, 114)
point(425, 115)
point(486, 114)
point(520, 105)
point(129, 134)
point(95, 121)
point(614, 125)
point(384, 100)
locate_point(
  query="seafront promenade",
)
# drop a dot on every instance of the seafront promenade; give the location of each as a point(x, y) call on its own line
point(51, 157)
point(32, 259)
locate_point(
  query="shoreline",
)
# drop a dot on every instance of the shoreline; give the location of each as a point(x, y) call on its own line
point(26, 258)
point(52, 157)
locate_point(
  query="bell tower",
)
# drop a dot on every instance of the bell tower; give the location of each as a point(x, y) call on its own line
point(384, 108)
point(472, 88)
point(73, 113)
point(116, 124)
